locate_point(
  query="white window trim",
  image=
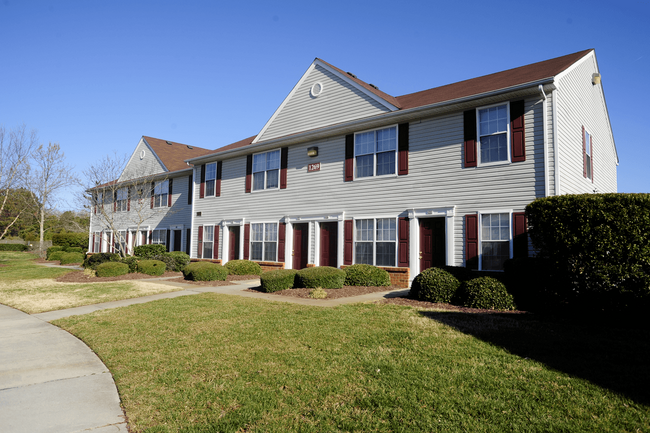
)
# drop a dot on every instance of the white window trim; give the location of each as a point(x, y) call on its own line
point(166, 201)
point(374, 241)
point(124, 200)
point(478, 136)
point(253, 190)
point(203, 241)
point(480, 235)
point(374, 166)
point(164, 238)
point(97, 242)
point(214, 188)
point(277, 241)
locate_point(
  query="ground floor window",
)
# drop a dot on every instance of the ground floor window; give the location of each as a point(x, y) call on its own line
point(159, 237)
point(264, 242)
point(495, 241)
point(97, 242)
point(208, 242)
point(375, 241)
point(120, 241)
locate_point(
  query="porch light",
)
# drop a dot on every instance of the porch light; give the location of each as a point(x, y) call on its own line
point(312, 151)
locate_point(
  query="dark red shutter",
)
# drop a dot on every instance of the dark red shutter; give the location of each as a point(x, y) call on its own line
point(190, 189)
point(247, 237)
point(471, 241)
point(584, 153)
point(169, 232)
point(199, 248)
point(403, 248)
point(188, 240)
point(217, 184)
point(348, 242)
point(519, 235)
point(169, 193)
point(517, 132)
point(128, 198)
point(403, 149)
point(281, 241)
point(150, 240)
point(284, 162)
point(349, 157)
point(469, 129)
point(215, 244)
point(153, 191)
point(249, 172)
point(92, 248)
point(114, 201)
point(202, 187)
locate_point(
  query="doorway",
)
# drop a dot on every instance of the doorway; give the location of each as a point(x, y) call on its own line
point(177, 240)
point(432, 243)
point(233, 243)
point(328, 244)
point(300, 246)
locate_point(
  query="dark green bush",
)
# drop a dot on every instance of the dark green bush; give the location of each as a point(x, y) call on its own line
point(597, 247)
point(205, 271)
point(56, 255)
point(79, 240)
point(67, 258)
point(168, 260)
point(149, 251)
point(112, 269)
point(52, 250)
point(366, 275)
point(13, 247)
point(181, 260)
point(243, 267)
point(528, 280)
point(276, 280)
point(434, 285)
point(132, 263)
point(485, 293)
point(74, 250)
point(96, 259)
point(320, 276)
point(151, 267)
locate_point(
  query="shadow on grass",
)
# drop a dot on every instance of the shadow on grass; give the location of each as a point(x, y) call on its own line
point(612, 357)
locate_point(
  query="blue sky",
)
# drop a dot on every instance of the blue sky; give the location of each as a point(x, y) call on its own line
point(97, 75)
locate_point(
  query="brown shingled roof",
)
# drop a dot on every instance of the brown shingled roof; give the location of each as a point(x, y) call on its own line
point(174, 155)
point(488, 83)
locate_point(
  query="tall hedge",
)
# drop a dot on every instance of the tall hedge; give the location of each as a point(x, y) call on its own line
point(597, 246)
point(71, 240)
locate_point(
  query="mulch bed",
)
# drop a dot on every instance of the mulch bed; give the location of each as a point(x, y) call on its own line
point(80, 277)
point(230, 280)
point(344, 292)
point(437, 306)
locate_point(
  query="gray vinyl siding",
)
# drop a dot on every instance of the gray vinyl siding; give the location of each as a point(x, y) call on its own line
point(582, 103)
point(146, 166)
point(339, 102)
point(436, 179)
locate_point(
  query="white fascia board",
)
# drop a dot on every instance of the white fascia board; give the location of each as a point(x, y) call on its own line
point(400, 116)
point(577, 63)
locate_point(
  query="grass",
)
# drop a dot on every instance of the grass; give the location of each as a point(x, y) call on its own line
point(31, 288)
point(217, 363)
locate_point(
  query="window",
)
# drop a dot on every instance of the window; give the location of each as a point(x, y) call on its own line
point(210, 176)
point(160, 193)
point(375, 241)
point(120, 241)
point(97, 242)
point(266, 170)
point(122, 198)
point(159, 237)
point(587, 159)
point(493, 133)
point(375, 152)
point(264, 242)
point(208, 242)
point(495, 241)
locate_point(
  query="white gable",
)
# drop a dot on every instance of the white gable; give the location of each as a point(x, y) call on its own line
point(340, 100)
point(143, 162)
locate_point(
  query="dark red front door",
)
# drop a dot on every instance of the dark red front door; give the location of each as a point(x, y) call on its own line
point(432, 243)
point(300, 245)
point(328, 238)
point(233, 242)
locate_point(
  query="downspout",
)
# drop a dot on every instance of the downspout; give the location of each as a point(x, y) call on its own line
point(194, 198)
point(545, 125)
point(556, 142)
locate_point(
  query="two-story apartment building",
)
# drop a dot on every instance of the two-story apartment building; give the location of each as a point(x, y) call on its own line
point(344, 173)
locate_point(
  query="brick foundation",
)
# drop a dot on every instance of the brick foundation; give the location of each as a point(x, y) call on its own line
point(271, 266)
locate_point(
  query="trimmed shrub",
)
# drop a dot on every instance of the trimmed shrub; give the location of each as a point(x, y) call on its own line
point(132, 263)
point(486, 293)
point(434, 285)
point(318, 293)
point(67, 258)
point(321, 276)
point(243, 267)
point(52, 250)
point(13, 247)
point(74, 250)
point(181, 260)
point(278, 279)
point(151, 267)
point(170, 263)
point(112, 269)
point(205, 271)
point(366, 275)
point(79, 240)
point(97, 259)
point(148, 251)
point(56, 255)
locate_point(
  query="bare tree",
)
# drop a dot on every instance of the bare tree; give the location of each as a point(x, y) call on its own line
point(48, 176)
point(15, 149)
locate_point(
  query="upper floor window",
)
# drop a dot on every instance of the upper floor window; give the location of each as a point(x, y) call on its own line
point(210, 176)
point(375, 152)
point(266, 170)
point(493, 133)
point(376, 241)
point(161, 189)
point(264, 242)
point(122, 197)
point(495, 241)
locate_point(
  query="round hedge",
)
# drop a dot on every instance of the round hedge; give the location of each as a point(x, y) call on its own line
point(112, 269)
point(243, 267)
point(279, 279)
point(151, 267)
point(366, 275)
point(434, 285)
point(169, 261)
point(93, 260)
point(181, 260)
point(321, 276)
point(149, 250)
point(486, 293)
point(56, 255)
point(205, 271)
point(132, 263)
point(73, 250)
point(52, 250)
point(67, 258)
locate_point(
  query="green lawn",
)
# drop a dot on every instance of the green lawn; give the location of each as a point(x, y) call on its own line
point(216, 363)
point(20, 266)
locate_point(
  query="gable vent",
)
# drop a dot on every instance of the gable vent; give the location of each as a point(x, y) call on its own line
point(352, 75)
point(168, 142)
